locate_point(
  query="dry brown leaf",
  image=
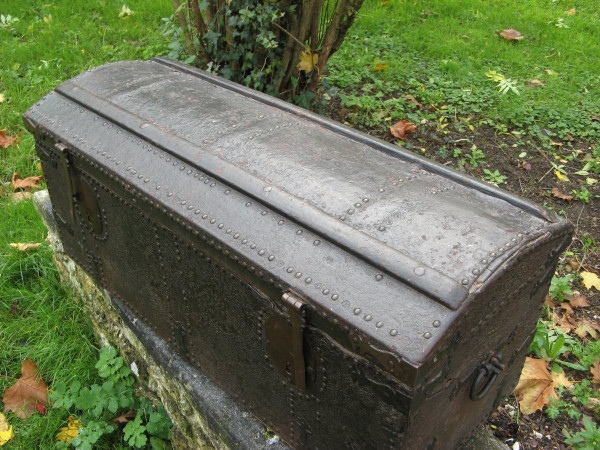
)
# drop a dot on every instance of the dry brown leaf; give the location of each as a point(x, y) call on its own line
point(548, 301)
point(20, 196)
point(535, 83)
point(560, 379)
point(24, 247)
point(556, 193)
point(308, 60)
point(125, 418)
point(566, 307)
point(535, 387)
point(6, 140)
point(573, 263)
point(26, 184)
point(28, 391)
point(586, 327)
point(401, 128)
point(595, 370)
point(593, 117)
point(564, 323)
point(381, 67)
point(577, 300)
point(414, 101)
point(511, 35)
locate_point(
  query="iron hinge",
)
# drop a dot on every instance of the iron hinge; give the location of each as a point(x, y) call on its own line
point(296, 311)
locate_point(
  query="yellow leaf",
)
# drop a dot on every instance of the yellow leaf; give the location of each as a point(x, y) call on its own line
point(6, 432)
point(590, 280)
point(2, 97)
point(70, 431)
point(381, 67)
point(536, 386)
point(591, 181)
point(25, 247)
point(550, 72)
point(560, 176)
point(308, 61)
point(571, 11)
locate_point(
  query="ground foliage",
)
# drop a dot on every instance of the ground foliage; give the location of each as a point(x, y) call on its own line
point(279, 47)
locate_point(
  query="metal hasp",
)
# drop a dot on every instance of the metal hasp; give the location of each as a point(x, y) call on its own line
point(345, 291)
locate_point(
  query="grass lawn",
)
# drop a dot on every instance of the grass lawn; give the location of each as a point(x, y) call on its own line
point(439, 64)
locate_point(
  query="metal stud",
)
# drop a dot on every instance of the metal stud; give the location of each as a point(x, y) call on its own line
point(290, 269)
point(325, 291)
point(298, 274)
point(236, 235)
point(379, 324)
point(465, 281)
point(356, 311)
point(393, 332)
point(252, 245)
point(379, 277)
point(420, 271)
point(280, 222)
point(271, 257)
point(299, 232)
point(427, 335)
point(334, 297)
point(368, 317)
point(205, 216)
point(248, 204)
point(308, 280)
point(381, 228)
point(436, 323)
point(261, 252)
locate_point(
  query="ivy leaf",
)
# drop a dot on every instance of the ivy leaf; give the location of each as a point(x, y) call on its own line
point(6, 431)
point(308, 60)
point(28, 391)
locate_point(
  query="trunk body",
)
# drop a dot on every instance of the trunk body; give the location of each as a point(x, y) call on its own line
point(349, 293)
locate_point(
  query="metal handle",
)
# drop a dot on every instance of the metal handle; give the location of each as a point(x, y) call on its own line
point(487, 376)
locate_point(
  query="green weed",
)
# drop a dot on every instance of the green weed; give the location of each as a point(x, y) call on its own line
point(587, 439)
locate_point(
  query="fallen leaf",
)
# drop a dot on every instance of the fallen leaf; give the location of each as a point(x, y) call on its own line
point(586, 327)
point(381, 67)
point(564, 323)
point(593, 117)
point(511, 35)
point(578, 300)
point(548, 301)
point(550, 72)
point(6, 140)
point(125, 418)
point(28, 391)
point(590, 279)
point(20, 196)
point(414, 101)
point(595, 370)
point(6, 432)
point(308, 61)
point(26, 184)
point(556, 193)
point(566, 307)
point(571, 11)
point(2, 97)
point(573, 263)
point(591, 181)
point(560, 176)
point(556, 144)
point(401, 128)
point(536, 386)
point(560, 379)
point(70, 431)
point(125, 11)
point(527, 166)
point(535, 83)
point(25, 247)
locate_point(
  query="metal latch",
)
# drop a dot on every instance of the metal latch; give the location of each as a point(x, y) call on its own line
point(285, 341)
point(67, 166)
point(80, 193)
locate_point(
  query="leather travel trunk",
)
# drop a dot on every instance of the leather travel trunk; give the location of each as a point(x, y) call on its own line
point(349, 293)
